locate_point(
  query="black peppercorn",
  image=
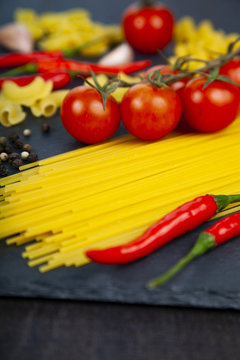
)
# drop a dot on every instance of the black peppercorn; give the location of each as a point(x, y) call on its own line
point(45, 128)
point(32, 157)
point(18, 144)
point(16, 163)
point(3, 170)
point(13, 136)
point(27, 147)
point(13, 156)
point(8, 149)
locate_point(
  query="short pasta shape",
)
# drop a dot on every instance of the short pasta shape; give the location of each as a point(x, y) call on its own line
point(27, 95)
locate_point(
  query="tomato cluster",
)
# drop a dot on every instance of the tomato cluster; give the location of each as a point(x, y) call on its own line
point(150, 112)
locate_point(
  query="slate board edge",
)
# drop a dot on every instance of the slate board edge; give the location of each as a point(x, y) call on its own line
point(171, 298)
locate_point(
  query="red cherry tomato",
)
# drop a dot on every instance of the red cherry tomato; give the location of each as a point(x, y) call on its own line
point(166, 69)
point(150, 113)
point(210, 109)
point(149, 28)
point(232, 70)
point(84, 117)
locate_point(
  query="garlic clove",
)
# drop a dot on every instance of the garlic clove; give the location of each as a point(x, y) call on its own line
point(16, 37)
point(122, 54)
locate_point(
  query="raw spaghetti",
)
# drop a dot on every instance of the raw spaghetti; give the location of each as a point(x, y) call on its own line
point(107, 194)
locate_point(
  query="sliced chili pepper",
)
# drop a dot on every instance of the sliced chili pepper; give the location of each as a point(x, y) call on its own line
point(60, 79)
point(178, 222)
point(18, 59)
point(222, 231)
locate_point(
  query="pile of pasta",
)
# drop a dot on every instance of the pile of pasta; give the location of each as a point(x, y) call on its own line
point(200, 41)
point(69, 29)
point(107, 194)
point(38, 96)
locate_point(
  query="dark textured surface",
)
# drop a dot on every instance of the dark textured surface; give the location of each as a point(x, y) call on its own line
point(49, 329)
point(43, 330)
point(211, 281)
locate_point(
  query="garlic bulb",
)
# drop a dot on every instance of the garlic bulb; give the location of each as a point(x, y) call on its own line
point(122, 54)
point(16, 37)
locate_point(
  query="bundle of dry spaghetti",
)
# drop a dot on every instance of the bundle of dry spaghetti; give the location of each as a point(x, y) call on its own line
point(107, 194)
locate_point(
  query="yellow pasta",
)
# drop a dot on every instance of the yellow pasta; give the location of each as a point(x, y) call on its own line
point(70, 29)
point(10, 112)
point(29, 94)
point(107, 194)
point(48, 106)
point(200, 41)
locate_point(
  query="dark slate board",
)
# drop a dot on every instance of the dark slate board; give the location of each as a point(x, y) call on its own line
point(211, 281)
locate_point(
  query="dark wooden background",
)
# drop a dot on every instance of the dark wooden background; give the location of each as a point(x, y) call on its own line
point(47, 329)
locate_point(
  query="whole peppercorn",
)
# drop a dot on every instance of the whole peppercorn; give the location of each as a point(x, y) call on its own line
point(3, 170)
point(24, 155)
point(45, 128)
point(27, 132)
point(8, 148)
point(32, 157)
point(13, 136)
point(17, 163)
point(27, 147)
point(13, 156)
point(4, 156)
point(3, 140)
point(18, 144)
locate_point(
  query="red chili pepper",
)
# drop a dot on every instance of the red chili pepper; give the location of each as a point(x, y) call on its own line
point(60, 79)
point(18, 59)
point(178, 222)
point(222, 231)
point(84, 68)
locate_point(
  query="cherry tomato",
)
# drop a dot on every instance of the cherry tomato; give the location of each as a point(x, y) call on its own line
point(166, 69)
point(84, 117)
point(232, 70)
point(149, 28)
point(150, 113)
point(210, 109)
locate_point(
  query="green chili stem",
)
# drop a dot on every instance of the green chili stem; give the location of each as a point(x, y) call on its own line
point(224, 200)
point(173, 271)
point(29, 68)
point(78, 49)
point(204, 243)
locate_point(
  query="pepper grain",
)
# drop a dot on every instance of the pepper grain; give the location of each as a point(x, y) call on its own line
point(27, 132)
point(13, 156)
point(13, 137)
point(18, 144)
point(4, 156)
point(3, 170)
point(27, 147)
point(17, 163)
point(32, 157)
point(8, 148)
point(24, 155)
point(45, 128)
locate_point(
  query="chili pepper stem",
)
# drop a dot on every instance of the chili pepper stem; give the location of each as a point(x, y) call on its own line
point(204, 243)
point(224, 200)
point(29, 68)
